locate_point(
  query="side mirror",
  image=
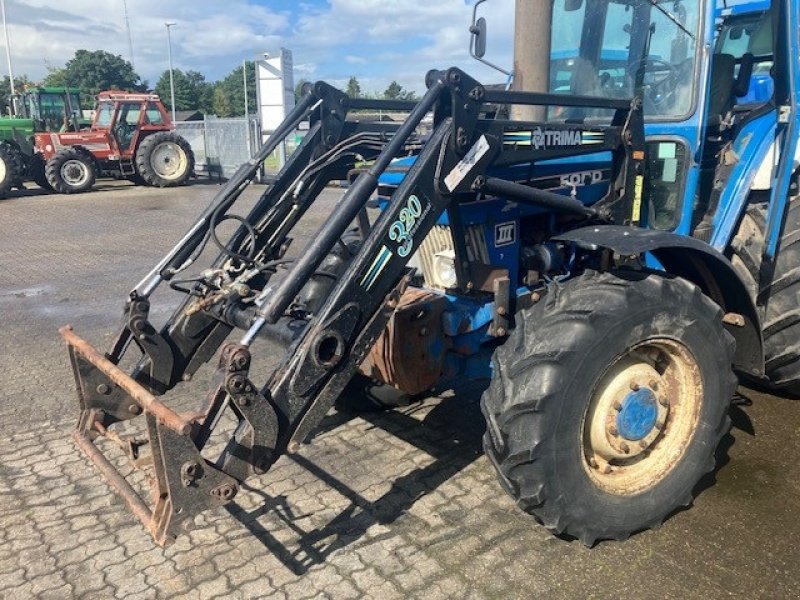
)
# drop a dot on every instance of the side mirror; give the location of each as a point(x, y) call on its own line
point(478, 31)
point(572, 5)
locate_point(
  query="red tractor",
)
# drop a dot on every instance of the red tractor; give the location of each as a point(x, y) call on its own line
point(131, 134)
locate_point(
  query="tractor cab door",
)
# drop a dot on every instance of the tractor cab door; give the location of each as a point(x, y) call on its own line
point(126, 127)
point(761, 39)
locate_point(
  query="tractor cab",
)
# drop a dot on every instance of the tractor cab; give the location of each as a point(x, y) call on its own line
point(131, 136)
point(127, 117)
point(54, 109)
point(708, 115)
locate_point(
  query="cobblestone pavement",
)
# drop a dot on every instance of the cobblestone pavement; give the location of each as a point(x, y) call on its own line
point(395, 505)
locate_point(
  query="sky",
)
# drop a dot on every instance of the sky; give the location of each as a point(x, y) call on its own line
point(375, 40)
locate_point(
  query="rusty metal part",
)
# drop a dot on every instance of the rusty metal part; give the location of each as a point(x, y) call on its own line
point(115, 480)
point(484, 276)
point(734, 319)
point(502, 307)
point(409, 354)
point(165, 415)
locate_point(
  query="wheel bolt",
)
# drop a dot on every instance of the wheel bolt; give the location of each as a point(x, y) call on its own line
point(662, 400)
point(617, 405)
point(593, 462)
point(606, 469)
point(625, 448)
point(613, 431)
point(660, 425)
point(634, 386)
point(653, 384)
point(643, 445)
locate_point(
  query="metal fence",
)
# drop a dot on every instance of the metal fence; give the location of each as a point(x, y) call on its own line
point(221, 145)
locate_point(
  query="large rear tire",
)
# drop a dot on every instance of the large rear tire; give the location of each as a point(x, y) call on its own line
point(608, 401)
point(777, 296)
point(164, 159)
point(71, 171)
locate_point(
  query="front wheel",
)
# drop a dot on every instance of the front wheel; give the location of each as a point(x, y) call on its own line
point(608, 401)
point(71, 171)
point(10, 171)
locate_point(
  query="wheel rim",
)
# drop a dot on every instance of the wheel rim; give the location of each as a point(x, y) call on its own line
point(642, 417)
point(75, 173)
point(169, 161)
point(3, 170)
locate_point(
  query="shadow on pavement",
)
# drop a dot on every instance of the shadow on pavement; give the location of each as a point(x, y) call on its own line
point(450, 433)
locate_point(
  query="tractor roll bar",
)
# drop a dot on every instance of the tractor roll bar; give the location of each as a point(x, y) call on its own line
point(541, 99)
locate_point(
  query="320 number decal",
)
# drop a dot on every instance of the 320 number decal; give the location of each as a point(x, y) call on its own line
point(402, 230)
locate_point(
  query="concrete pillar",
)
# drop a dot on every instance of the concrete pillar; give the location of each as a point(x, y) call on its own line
point(532, 54)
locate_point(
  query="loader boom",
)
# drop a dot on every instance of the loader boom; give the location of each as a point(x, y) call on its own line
point(248, 288)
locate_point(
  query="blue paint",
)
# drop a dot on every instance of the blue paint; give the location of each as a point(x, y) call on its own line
point(638, 414)
point(751, 146)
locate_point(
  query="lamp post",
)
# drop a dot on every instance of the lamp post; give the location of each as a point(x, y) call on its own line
point(171, 79)
point(12, 106)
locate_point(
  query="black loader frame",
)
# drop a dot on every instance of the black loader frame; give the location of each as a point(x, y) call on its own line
point(325, 345)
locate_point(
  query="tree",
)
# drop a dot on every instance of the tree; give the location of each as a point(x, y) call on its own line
point(395, 91)
point(221, 106)
point(56, 77)
point(353, 88)
point(298, 89)
point(203, 90)
point(192, 92)
point(233, 89)
point(20, 84)
point(94, 71)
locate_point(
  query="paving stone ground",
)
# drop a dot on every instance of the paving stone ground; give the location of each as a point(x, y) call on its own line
point(393, 505)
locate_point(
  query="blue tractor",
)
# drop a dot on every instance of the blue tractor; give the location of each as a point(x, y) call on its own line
point(612, 269)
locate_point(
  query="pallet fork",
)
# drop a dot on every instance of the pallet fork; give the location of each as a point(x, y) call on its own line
point(326, 333)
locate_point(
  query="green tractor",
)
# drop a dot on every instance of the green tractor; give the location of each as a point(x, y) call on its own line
point(38, 109)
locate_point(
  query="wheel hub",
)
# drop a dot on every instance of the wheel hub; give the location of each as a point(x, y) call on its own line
point(74, 173)
point(631, 412)
point(638, 415)
point(641, 416)
point(168, 160)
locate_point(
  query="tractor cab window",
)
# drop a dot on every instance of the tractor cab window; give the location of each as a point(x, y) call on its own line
point(105, 114)
point(747, 39)
point(616, 48)
point(153, 114)
point(57, 110)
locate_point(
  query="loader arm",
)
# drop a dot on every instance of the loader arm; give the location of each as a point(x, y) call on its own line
point(326, 330)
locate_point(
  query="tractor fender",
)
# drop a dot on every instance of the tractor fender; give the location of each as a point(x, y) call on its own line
point(84, 150)
point(699, 263)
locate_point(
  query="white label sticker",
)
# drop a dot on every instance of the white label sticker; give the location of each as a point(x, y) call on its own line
point(505, 234)
point(466, 164)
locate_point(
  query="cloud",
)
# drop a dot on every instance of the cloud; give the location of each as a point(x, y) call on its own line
point(376, 40)
point(400, 39)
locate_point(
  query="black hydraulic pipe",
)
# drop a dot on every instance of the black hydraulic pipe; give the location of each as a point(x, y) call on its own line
point(535, 98)
point(369, 104)
point(347, 210)
point(529, 195)
point(235, 185)
point(284, 332)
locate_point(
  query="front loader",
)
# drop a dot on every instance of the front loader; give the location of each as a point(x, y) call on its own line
point(574, 261)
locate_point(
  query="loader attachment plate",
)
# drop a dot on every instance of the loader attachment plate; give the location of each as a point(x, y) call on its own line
point(183, 483)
